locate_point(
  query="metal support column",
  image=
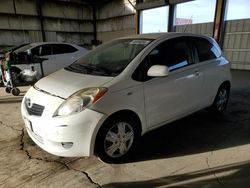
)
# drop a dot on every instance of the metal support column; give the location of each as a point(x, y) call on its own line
point(39, 4)
point(171, 18)
point(137, 21)
point(94, 42)
point(219, 21)
point(14, 5)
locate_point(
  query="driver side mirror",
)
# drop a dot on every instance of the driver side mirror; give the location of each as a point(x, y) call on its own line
point(158, 71)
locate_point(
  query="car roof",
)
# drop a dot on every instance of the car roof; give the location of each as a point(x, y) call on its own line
point(164, 35)
point(55, 42)
point(35, 44)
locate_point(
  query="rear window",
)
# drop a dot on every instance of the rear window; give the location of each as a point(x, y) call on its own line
point(63, 49)
point(206, 50)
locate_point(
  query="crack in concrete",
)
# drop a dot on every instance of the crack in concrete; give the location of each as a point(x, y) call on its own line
point(214, 174)
point(228, 135)
point(22, 145)
point(83, 172)
point(88, 176)
point(211, 154)
point(53, 161)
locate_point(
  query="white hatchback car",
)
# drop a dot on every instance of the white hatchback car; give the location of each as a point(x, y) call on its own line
point(119, 91)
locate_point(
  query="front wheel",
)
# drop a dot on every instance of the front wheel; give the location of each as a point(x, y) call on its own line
point(221, 100)
point(116, 140)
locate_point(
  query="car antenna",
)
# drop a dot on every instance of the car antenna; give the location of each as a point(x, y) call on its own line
point(188, 24)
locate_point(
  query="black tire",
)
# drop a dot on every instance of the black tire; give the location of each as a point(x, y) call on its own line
point(15, 91)
point(119, 140)
point(8, 89)
point(220, 102)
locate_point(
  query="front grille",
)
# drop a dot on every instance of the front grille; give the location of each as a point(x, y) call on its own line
point(33, 108)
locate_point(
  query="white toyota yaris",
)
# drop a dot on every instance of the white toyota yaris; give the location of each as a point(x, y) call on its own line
point(106, 100)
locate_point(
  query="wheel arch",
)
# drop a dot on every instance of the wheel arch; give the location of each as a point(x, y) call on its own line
point(122, 113)
point(227, 84)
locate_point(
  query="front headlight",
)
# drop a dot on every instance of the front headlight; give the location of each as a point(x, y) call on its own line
point(79, 101)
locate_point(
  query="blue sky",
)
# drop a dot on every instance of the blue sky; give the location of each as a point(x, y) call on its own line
point(199, 11)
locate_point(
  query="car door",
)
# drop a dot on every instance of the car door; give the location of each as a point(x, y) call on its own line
point(209, 64)
point(173, 96)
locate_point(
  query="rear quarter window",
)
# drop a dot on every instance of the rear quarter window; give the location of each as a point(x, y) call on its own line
point(206, 50)
point(63, 49)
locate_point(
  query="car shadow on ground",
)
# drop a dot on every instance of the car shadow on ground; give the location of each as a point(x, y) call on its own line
point(200, 132)
point(197, 179)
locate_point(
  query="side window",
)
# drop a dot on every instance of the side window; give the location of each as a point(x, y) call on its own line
point(205, 49)
point(63, 49)
point(46, 50)
point(173, 53)
point(36, 51)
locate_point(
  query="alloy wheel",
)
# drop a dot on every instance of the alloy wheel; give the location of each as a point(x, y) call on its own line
point(119, 139)
point(222, 100)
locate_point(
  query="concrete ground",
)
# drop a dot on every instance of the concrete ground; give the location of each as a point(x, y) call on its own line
point(197, 151)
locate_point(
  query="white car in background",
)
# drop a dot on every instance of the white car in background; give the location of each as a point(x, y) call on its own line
point(57, 54)
point(107, 99)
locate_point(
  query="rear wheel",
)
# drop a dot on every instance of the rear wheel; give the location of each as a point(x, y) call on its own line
point(221, 100)
point(116, 140)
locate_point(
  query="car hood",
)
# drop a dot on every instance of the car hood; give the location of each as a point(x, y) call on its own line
point(64, 83)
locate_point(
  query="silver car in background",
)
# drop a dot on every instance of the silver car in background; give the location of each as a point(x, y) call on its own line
point(57, 54)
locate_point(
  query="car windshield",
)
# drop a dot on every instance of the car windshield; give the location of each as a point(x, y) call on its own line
point(109, 59)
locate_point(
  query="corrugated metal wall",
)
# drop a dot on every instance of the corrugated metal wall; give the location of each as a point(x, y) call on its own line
point(237, 43)
point(115, 19)
point(204, 28)
point(63, 21)
point(20, 22)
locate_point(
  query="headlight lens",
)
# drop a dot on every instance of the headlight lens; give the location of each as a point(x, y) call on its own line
point(80, 100)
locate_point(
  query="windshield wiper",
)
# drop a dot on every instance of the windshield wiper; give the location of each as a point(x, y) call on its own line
point(101, 69)
point(96, 69)
point(76, 68)
point(88, 69)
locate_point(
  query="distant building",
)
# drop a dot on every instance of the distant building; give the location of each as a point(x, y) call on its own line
point(183, 21)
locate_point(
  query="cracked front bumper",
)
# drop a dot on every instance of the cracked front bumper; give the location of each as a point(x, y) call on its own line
point(68, 136)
